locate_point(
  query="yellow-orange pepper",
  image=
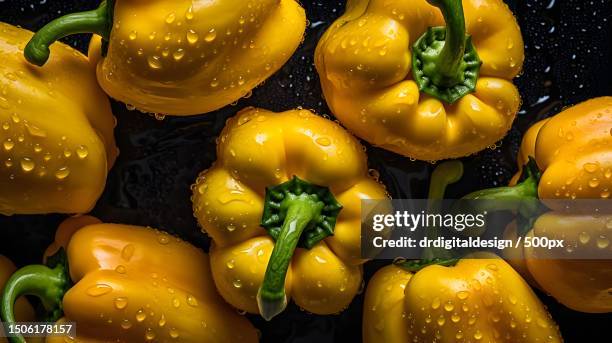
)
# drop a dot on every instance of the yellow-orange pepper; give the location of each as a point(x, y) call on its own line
point(182, 57)
point(573, 150)
point(131, 284)
point(478, 300)
point(289, 173)
point(400, 84)
point(56, 131)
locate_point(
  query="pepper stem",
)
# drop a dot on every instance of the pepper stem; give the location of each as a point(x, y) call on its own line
point(449, 60)
point(510, 197)
point(445, 62)
point(98, 21)
point(445, 174)
point(296, 213)
point(302, 210)
point(49, 285)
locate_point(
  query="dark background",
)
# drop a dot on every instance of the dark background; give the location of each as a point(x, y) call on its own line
point(568, 60)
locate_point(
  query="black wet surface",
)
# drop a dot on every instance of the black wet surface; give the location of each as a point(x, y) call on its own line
point(568, 55)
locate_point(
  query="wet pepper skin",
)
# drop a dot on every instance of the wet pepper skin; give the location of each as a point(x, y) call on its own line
point(191, 57)
point(136, 284)
point(259, 149)
point(574, 152)
point(478, 300)
point(364, 61)
point(56, 130)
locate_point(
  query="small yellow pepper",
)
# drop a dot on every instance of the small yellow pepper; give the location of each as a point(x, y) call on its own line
point(23, 310)
point(573, 150)
point(128, 284)
point(56, 131)
point(182, 57)
point(479, 299)
point(399, 80)
point(302, 178)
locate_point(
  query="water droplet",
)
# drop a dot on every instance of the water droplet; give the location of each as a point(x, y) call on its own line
point(126, 324)
point(121, 303)
point(441, 320)
point(230, 264)
point(210, 36)
point(192, 37)
point(163, 238)
point(140, 315)
point(133, 35)
point(463, 295)
point(99, 290)
point(149, 334)
point(237, 283)
point(154, 62)
point(449, 306)
point(9, 144)
point(435, 304)
point(214, 83)
point(173, 333)
point(120, 269)
point(590, 167)
point(594, 182)
point(455, 318)
point(189, 13)
point(170, 18)
point(192, 301)
point(178, 54)
point(127, 252)
point(82, 151)
point(176, 302)
point(62, 173)
point(584, 237)
point(478, 335)
point(602, 242)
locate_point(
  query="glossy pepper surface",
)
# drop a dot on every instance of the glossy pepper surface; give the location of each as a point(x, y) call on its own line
point(182, 57)
point(405, 76)
point(129, 284)
point(573, 151)
point(302, 178)
point(478, 298)
point(56, 130)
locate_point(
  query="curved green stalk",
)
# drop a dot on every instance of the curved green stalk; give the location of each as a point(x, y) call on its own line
point(49, 285)
point(98, 21)
point(296, 213)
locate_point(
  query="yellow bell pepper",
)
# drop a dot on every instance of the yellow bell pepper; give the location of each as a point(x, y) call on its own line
point(281, 181)
point(182, 57)
point(393, 76)
point(56, 131)
point(128, 284)
point(479, 299)
point(573, 151)
point(23, 310)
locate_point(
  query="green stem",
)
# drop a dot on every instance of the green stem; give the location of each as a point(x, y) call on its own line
point(98, 21)
point(301, 212)
point(448, 62)
point(445, 174)
point(49, 285)
point(510, 198)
